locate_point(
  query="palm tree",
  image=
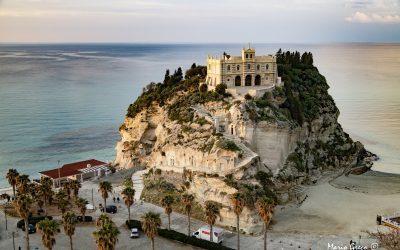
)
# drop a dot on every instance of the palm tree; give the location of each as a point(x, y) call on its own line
point(106, 236)
point(167, 202)
point(212, 211)
point(150, 222)
point(69, 222)
point(46, 191)
point(265, 207)
point(48, 229)
point(75, 186)
point(67, 188)
point(33, 189)
point(102, 220)
point(62, 201)
point(22, 205)
point(81, 204)
point(105, 188)
point(187, 200)
point(12, 176)
point(238, 203)
point(128, 194)
point(22, 183)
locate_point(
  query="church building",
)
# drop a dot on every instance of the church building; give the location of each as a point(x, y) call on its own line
point(247, 71)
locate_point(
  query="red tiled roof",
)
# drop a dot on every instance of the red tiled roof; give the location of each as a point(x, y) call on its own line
point(71, 168)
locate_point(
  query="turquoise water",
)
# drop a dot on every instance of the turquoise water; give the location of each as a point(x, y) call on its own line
point(66, 102)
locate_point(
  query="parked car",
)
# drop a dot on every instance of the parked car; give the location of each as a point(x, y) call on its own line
point(134, 233)
point(31, 228)
point(111, 209)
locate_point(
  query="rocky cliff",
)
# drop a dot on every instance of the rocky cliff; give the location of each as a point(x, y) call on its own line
point(258, 146)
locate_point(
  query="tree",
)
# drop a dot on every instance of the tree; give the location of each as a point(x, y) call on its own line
point(179, 74)
point(33, 190)
point(221, 88)
point(166, 77)
point(102, 220)
point(46, 191)
point(22, 183)
point(187, 200)
point(166, 203)
point(12, 176)
point(62, 201)
point(22, 205)
point(67, 188)
point(69, 222)
point(75, 186)
point(203, 88)
point(248, 97)
point(150, 222)
point(105, 187)
point(128, 194)
point(48, 229)
point(106, 236)
point(265, 208)
point(81, 204)
point(212, 211)
point(238, 203)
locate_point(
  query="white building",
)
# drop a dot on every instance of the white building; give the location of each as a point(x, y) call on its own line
point(243, 74)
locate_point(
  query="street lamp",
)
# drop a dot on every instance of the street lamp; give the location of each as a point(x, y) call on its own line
point(59, 175)
point(13, 235)
point(5, 214)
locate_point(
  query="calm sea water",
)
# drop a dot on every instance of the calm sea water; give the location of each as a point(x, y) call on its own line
point(65, 102)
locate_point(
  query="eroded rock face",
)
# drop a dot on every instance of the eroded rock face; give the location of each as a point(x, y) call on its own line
point(230, 139)
point(206, 189)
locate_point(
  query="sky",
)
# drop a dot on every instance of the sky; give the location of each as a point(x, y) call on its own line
point(200, 21)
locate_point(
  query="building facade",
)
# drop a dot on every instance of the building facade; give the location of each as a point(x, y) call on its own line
point(242, 71)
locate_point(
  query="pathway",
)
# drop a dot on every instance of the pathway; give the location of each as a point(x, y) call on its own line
point(137, 180)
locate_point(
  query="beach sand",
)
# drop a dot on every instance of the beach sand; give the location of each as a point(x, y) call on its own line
point(345, 207)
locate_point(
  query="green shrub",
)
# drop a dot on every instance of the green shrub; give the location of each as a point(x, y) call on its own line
point(174, 235)
point(201, 121)
point(228, 145)
point(221, 89)
point(297, 160)
point(203, 88)
point(248, 97)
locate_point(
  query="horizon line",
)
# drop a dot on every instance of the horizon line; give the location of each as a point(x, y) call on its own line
point(191, 43)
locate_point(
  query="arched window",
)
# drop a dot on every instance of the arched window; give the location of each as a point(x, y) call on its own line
point(229, 67)
point(248, 80)
point(237, 81)
point(251, 55)
point(258, 67)
point(238, 67)
point(257, 81)
point(266, 66)
point(248, 66)
point(247, 55)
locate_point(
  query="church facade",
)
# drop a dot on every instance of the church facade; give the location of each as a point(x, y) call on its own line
point(242, 71)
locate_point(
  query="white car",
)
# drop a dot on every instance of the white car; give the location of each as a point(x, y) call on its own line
point(134, 233)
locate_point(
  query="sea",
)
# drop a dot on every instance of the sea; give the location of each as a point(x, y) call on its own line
point(61, 103)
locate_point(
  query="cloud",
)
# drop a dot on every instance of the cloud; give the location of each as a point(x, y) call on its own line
point(361, 17)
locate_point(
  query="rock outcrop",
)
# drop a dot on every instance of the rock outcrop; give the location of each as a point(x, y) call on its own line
point(260, 147)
